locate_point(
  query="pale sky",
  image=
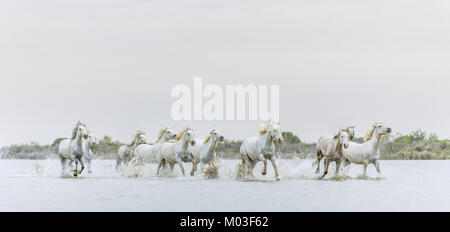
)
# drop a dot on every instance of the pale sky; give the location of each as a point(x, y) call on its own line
point(112, 64)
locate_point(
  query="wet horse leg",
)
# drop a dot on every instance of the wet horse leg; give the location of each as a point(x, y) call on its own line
point(251, 167)
point(326, 164)
point(377, 166)
point(275, 167)
point(338, 165)
point(365, 169)
point(180, 163)
point(82, 164)
point(75, 172)
point(264, 171)
point(319, 158)
point(160, 163)
point(63, 164)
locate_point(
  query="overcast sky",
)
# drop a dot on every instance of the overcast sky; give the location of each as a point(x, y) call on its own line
point(112, 64)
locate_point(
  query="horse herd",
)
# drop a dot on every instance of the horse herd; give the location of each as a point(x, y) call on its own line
point(171, 148)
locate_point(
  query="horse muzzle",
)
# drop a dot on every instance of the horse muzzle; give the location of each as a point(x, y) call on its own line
point(85, 136)
point(192, 143)
point(221, 139)
point(389, 130)
point(281, 141)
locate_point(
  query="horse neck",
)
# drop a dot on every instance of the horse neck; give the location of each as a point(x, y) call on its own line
point(265, 140)
point(182, 144)
point(375, 140)
point(78, 140)
point(211, 145)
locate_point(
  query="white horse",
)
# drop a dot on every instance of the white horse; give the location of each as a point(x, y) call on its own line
point(335, 151)
point(72, 149)
point(206, 152)
point(177, 152)
point(367, 152)
point(150, 151)
point(125, 152)
point(324, 141)
point(261, 148)
point(88, 145)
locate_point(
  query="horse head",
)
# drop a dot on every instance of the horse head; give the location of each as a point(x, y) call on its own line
point(216, 135)
point(381, 129)
point(187, 136)
point(169, 134)
point(351, 132)
point(342, 139)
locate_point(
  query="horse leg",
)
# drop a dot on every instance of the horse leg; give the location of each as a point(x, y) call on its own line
point(172, 165)
point(365, 169)
point(194, 167)
point(326, 164)
point(264, 171)
point(251, 166)
point(118, 161)
point(82, 164)
point(275, 167)
point(63, 165)
point(75, 172)
point(338, 165)
point(377, 166)
point(180, 163)
point(159, 167)
point(319, 158)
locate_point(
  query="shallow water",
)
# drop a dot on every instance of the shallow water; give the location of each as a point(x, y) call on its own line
point(30, 185)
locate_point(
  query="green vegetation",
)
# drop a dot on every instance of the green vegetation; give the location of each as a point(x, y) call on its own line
point(415, 145)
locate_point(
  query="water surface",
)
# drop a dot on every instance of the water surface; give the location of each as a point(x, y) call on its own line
point(31, 185)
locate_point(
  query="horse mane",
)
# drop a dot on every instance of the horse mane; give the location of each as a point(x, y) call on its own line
point(138, 133)
point(179, 135)
point(369, 134)
point(209, 136)
point(74, 131)
point(352, 127)
point(264, 127)
point(161, 133)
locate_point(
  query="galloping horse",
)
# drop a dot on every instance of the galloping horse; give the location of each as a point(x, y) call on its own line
point(261, 148)
point(322, 145)
point(73, 149)
point(88, 145)
point(367, 152)
point(126, 152)
point(150, 151)
point(335, 151)
point(206, 152)
point(177, 152)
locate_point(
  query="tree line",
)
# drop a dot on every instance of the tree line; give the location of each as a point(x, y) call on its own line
point(415, 145)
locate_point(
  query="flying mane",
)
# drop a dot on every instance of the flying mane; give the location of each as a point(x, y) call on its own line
point(161, 133)
point(209, 136)
point(138, 133)
point(74, 131)
point(369, 134)
point(265, 126)
point(179, 135)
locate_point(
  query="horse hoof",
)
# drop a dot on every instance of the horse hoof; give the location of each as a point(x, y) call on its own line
point(264, 173)
point(277, 179)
